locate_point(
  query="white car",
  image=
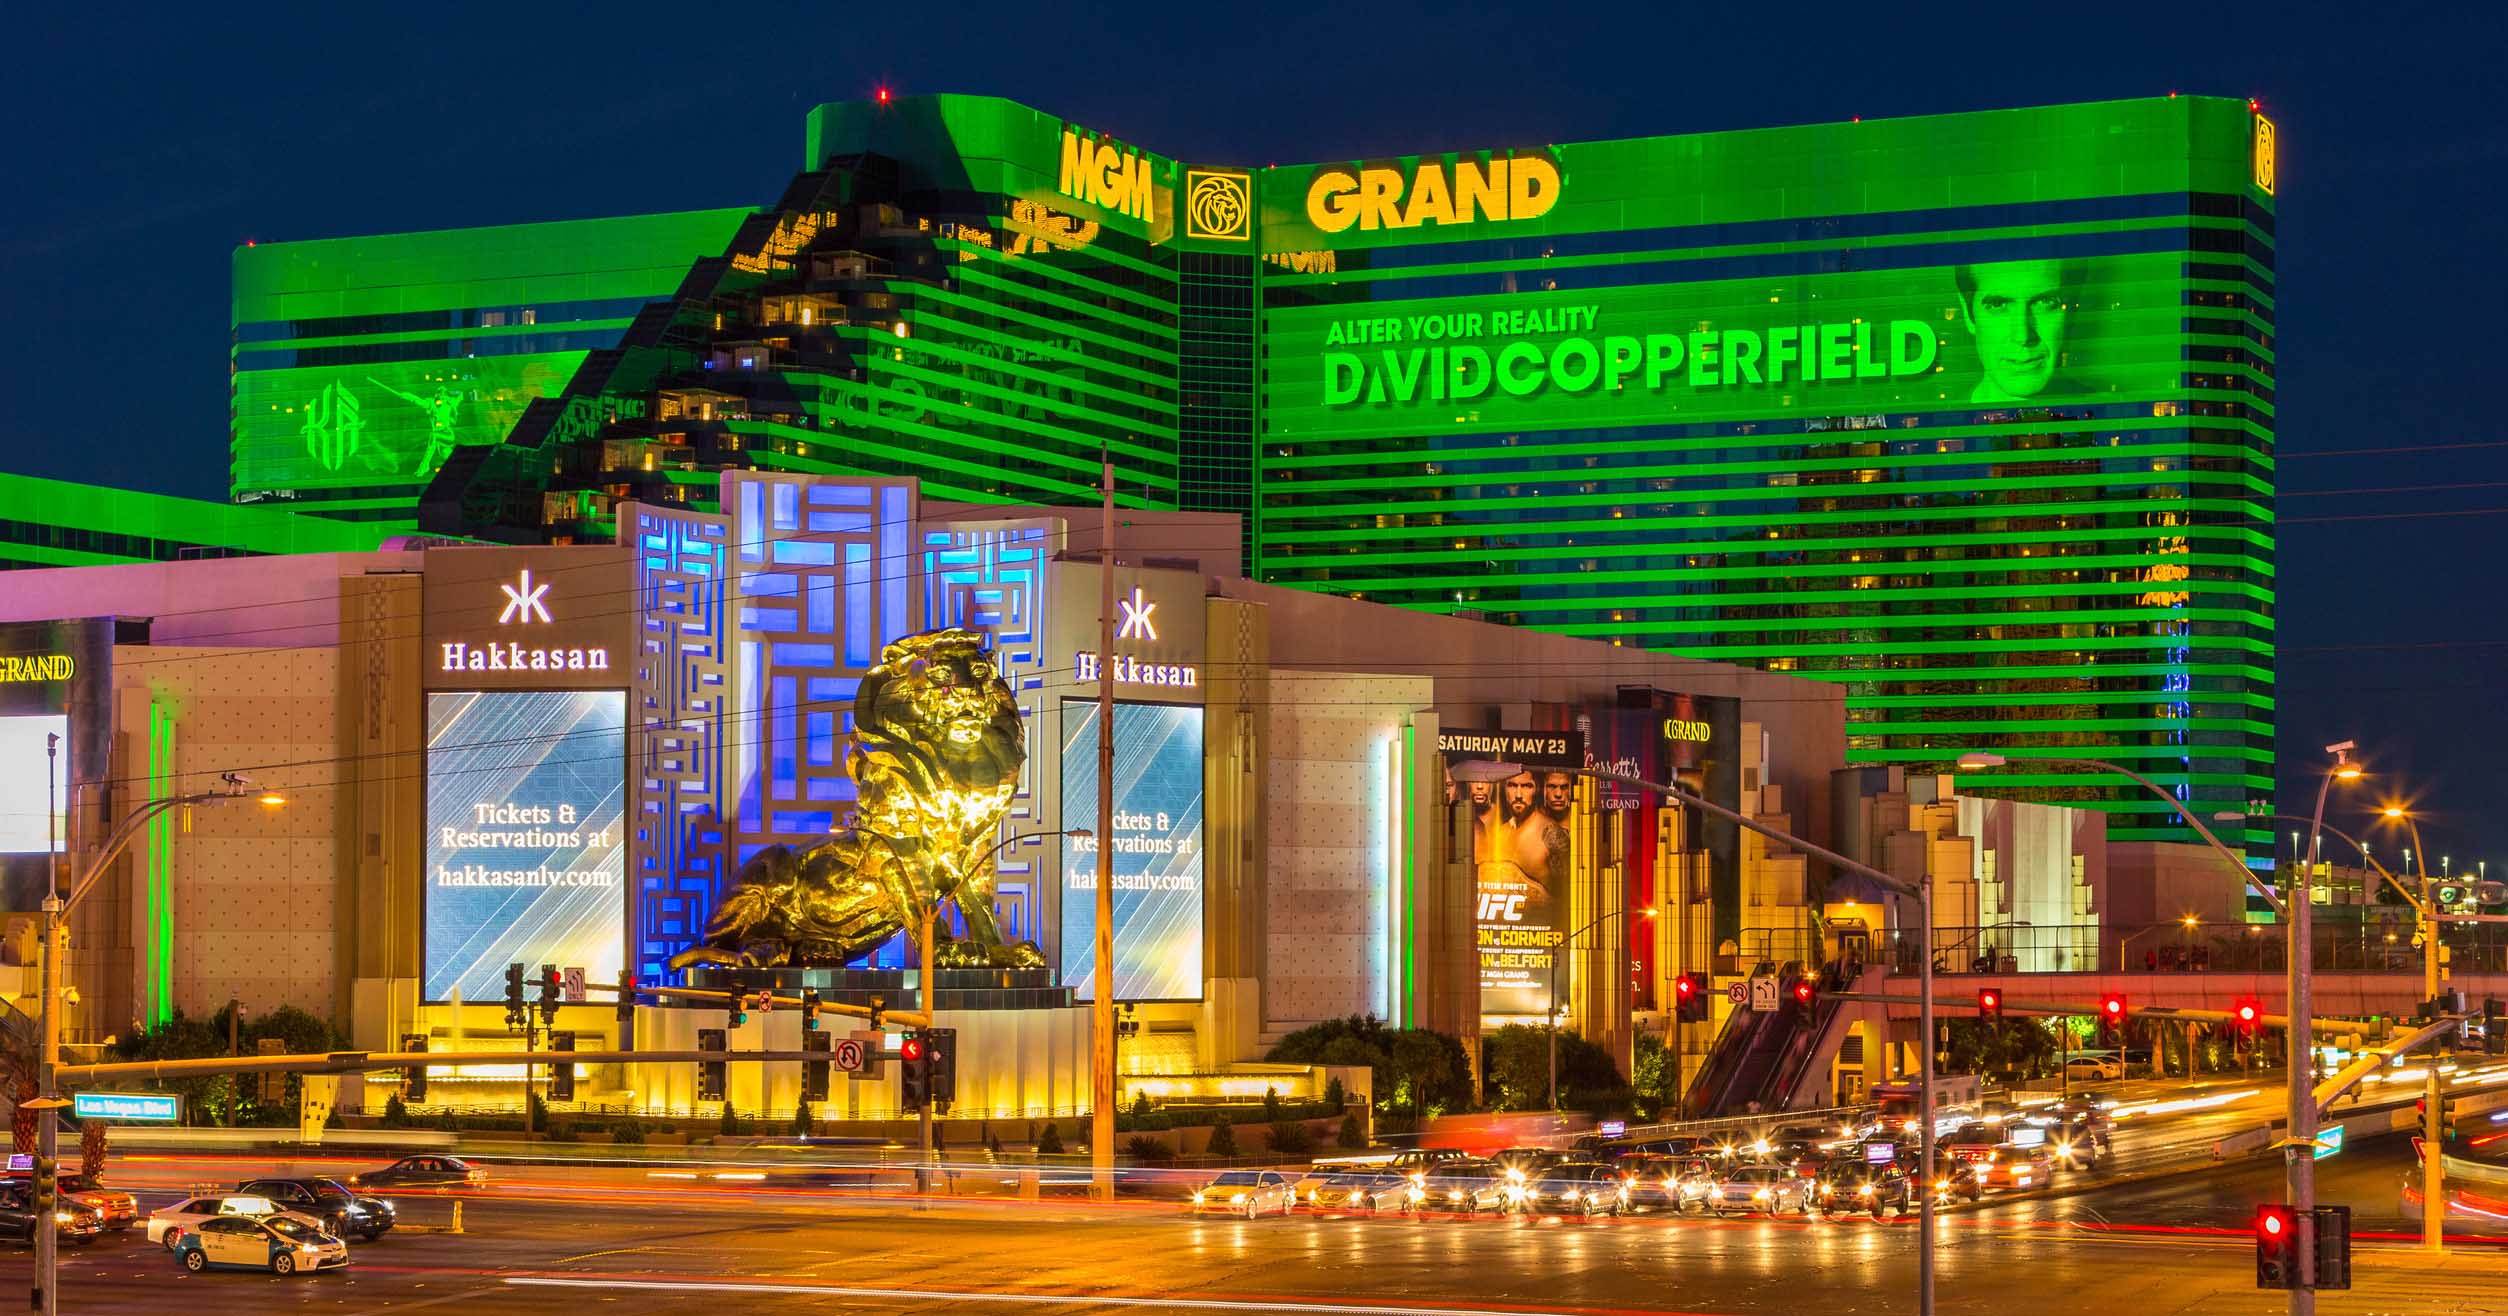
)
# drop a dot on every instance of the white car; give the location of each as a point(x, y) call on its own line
point(1248, 1193)
point(168, 1223)
point(2093, 1068)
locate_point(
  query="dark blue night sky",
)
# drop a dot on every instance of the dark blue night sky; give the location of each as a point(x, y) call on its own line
point(143, 147)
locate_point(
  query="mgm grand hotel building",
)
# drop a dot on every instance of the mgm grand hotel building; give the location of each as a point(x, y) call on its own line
point(1970, 415)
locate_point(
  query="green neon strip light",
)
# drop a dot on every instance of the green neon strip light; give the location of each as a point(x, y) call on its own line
point(160, 882)
point(1411, 1003)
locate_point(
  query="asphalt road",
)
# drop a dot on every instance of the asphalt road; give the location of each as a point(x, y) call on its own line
point(679, 1246)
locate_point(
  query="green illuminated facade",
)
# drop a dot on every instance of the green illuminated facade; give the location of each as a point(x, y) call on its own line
point(1971, 414)
point(360, 365)
point(54, 523)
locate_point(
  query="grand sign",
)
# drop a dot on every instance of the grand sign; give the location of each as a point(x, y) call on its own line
point(16, 668)
point(1517, 185)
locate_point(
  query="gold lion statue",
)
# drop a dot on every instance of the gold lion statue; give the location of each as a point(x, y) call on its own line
point(936, 756)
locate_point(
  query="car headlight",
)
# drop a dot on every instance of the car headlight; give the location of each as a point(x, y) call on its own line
point(1761, 1195)
point(1197, 1198)
point(1515, 1176)
point(1236, 1197)
point(1865, 1191)
point(1454, 1195)
point(64, 1217)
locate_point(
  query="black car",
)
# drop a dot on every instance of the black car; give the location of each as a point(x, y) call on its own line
point(80, 1222)
point(1846, 1186)
point(423, 1172)
point(343, 1212)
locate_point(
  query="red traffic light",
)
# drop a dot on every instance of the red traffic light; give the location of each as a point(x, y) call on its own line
point(911, 1049)
point(1802, 991)
point(2247, 1012)
point(1684, 986)
point(2113, 1006)
point(2272, 1222)
point(1989, 1001)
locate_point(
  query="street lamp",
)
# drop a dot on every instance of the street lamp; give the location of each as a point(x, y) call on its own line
point(56, 934)
point(2299, 1148)
point(1919, 891)
point(1558, 958)
point(2433, 1121)
point(2188, 922)
point(1977, 760)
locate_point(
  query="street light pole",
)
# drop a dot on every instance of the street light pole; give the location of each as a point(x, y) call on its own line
point(1555, 960)
point(1975, 760)
point(56, 938)
point(2299, 1148)
point(1922, 893)
point(1102, 1008)
point(2433, 1120)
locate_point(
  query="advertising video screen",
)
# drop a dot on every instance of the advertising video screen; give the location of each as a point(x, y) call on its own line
point(2006, 333)
point(526, 850)
point(1157, 848)
point(1522, 859)
point(24, 810)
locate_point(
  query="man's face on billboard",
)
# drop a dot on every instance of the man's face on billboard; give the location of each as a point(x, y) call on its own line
point(1480, 793)
point(2018, 311)
point(1519, 795)
point(1558, 793)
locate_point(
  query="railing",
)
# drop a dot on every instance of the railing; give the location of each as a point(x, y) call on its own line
point(2380, 943)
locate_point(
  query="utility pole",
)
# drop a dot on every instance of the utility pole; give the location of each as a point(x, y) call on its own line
point(1102, 1008)
point(47, 1124)
point(931, 1004)
point(2299, 1148)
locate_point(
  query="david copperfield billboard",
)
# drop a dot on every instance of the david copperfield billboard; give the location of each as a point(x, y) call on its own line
point(1516, 793)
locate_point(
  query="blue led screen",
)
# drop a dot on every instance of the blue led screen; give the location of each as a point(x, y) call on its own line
point(526, 852)
point(1157, 847)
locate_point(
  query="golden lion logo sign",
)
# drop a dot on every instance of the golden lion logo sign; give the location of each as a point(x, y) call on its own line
point(1218, 204)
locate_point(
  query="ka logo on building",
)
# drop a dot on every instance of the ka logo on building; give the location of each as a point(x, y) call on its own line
point(2266, 165)
point(1218, 204)
point(1134, 621)
point(524, 601)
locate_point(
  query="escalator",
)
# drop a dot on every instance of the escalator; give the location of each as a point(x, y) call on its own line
point(1779, 1059)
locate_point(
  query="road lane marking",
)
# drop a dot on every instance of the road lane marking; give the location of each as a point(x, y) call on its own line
point(1317, 1307)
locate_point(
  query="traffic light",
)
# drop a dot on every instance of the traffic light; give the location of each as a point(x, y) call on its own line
point(914, 1073)
point(626, 997)
point(712, 1075)
point(1689, 998)
point(552, 990)
point(1989, 1005)
point(879, 1012)
point(414, 1078)
point(940, 1059)
point(2332, 1239)
point(739, 1009)
point(2494, 1026)
point(2248, 1015)
point(814, 1073)
point(47, 1184)
point(515, 1012)
point(809, 1009)
point(1804, 992)
point(562, 1072)
point(2112, 1018)
point(2276, 1247)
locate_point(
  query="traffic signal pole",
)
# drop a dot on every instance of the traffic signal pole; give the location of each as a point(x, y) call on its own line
point(923, 1159)
point(1102, 1007)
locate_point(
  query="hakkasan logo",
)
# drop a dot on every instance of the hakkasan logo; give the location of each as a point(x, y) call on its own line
point(1218, 205)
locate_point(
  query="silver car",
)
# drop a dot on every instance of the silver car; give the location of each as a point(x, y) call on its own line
point(1764, 1189)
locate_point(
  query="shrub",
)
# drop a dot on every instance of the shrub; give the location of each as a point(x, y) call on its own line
point(1353, 1131)
point(1518, 1058)
point(565, 1132)
point(1271, 1105)
point(731, 1126)
point(1140, 1106)
point(540, 1113)
point(449, 1122)
point(1148, 1151)
point(627, 1130)
point(395, 1112)
point(1049, 1143)
point(803, 1120)
point(1335, 1095)
point(1292, 1137)
point(1223, 1138)
point(1414, 1069)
